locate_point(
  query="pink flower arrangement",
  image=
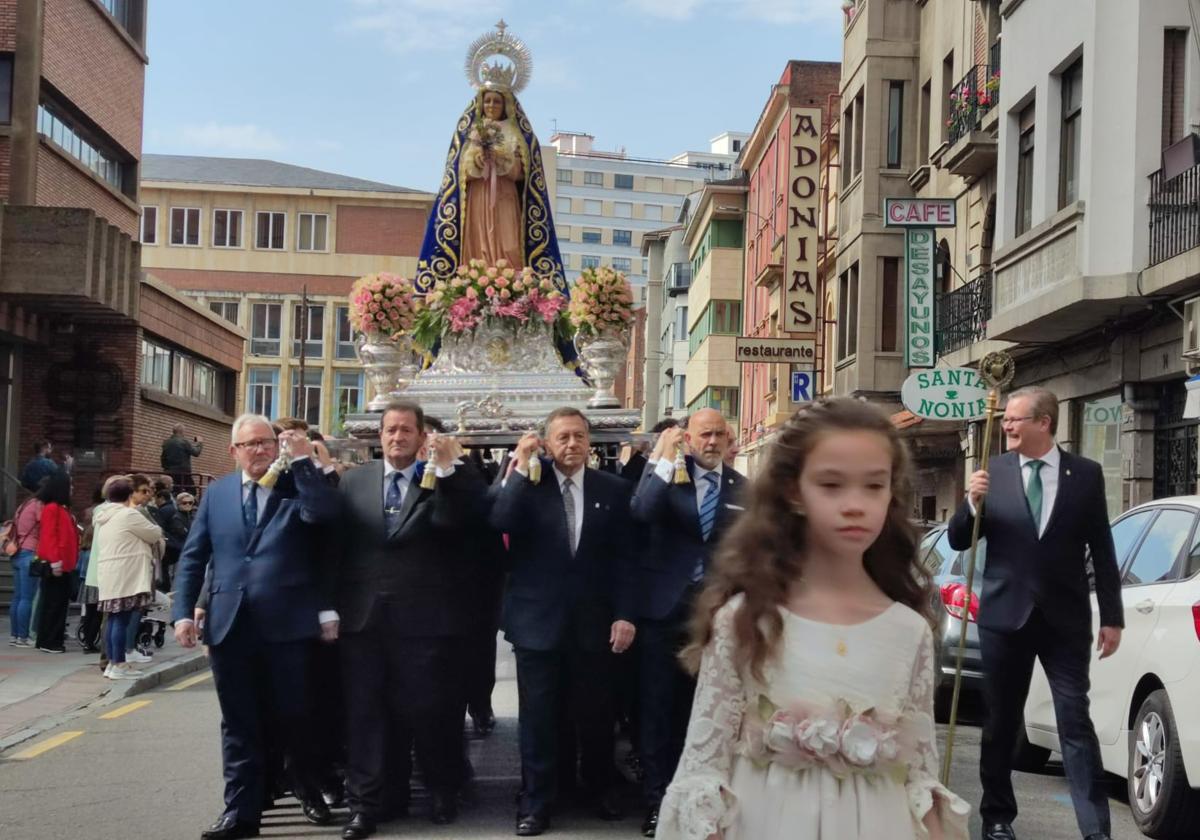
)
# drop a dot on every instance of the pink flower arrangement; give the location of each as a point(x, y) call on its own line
point(478, 292)
point(601, 302)
point(383, 303)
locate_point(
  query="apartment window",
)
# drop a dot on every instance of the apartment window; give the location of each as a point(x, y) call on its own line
point(591, 236)
point(623, 209)
point(681, 324)
point(737, 146)
point(653, 212)
point(185, 226)
point(650, 184)
point(860, 127)
point(847, 153)
point(895, 123)
point(848, 313)
point(306, 398)
point(227, 309)
point(149, 225)
point(923, 126)
point(156, 366)
point(1069, 138)
point(889, 315)
point(622, 264)
point(679, 388)
point(593, 179)
point(593, 207)
point(313, 232)
point(1175, 43)
point(623, 182)
point(948, 81)
point(589, 262)
point(726, 317)
point(348, 390)
point(269, 229)
point(724, 400)
point(1025, 170)
point(120, 11)
point(265, 322)
point(564, 176)
point(622, 237)
point(106, 163)
point(262, 391)
point(227, 229)
point(6, 75)
point(563, 205)
point(311, 333)
point(178, 373)
point(345, 335)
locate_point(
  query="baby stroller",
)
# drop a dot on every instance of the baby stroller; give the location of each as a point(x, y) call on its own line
point(152, 629)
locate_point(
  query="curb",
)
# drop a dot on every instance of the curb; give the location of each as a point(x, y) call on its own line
point(189, 663)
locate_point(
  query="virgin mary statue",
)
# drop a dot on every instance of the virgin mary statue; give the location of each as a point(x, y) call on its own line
point(493, 203)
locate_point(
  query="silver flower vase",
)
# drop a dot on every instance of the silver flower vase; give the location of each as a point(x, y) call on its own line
point(603, 358)
point(390, 365)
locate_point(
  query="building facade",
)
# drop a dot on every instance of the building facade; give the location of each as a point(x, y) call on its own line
point(667, 322)
point(606, 201)
point(789, 225)
point(274, 249)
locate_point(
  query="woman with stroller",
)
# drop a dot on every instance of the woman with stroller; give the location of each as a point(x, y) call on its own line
point(125, 569)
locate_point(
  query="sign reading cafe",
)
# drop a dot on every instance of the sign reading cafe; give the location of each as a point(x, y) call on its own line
point(800, 281)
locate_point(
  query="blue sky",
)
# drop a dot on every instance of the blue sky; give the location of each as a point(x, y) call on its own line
point(372, 88)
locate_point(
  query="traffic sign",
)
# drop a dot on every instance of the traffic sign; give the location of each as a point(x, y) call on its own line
point(801, 386)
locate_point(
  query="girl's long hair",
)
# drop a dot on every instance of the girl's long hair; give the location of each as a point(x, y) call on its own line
point(763, 553)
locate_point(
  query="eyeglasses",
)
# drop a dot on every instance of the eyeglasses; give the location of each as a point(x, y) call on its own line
point(260, 443)
point(1012, 421)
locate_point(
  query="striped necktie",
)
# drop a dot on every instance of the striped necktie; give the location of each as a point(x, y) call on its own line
point(708, 505)
point(250, 506)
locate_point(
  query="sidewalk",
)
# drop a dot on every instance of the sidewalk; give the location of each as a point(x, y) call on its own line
point(41, 690)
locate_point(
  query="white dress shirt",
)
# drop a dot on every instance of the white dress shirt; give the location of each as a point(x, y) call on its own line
point(1049, 475)
point(665, 469)
point(576, 497)
point(405, 481)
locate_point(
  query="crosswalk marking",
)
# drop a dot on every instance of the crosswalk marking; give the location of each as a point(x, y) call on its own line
point(191, 681)
point(124, 710)
point(49, 744)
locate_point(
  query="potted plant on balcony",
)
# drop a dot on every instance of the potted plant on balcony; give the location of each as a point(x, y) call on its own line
point(383, 313)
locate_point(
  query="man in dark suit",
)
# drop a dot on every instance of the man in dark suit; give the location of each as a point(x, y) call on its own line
point(684, 524)
point(1045, 510)
point(401, 590)
point(177, 453)
point(568, 608)
point(269, 596)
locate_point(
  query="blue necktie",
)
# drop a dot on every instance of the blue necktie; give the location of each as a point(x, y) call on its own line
point(708, 505)
point(391, 504)
point(250, 507)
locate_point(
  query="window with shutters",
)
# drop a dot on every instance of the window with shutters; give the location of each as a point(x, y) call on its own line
point(1174, 68)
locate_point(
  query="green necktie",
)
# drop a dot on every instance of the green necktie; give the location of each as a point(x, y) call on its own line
point(1033, 493)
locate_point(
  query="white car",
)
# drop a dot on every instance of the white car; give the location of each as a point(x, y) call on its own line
point(1145, 698)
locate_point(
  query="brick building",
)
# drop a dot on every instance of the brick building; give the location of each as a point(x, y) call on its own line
point(247, 238)
point(76, 313)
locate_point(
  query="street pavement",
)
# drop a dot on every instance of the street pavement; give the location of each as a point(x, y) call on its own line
point(149, 766)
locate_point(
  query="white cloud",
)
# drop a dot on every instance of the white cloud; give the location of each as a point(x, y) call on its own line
point(768, 11)
point(421, 25)
point(224, 137)
point(669, 9)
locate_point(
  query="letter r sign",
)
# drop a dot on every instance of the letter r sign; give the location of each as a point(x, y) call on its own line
point(801, 386)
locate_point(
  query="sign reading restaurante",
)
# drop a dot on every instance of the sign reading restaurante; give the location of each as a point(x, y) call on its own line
point(797, 351)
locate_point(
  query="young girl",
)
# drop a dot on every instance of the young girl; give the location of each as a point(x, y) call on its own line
point(813, 714)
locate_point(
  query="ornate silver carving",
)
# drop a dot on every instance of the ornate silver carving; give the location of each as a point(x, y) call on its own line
point(390, 365)
point(509, 78)
point(603, 358)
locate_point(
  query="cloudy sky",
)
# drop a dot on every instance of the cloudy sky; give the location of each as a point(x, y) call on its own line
point(372, 88)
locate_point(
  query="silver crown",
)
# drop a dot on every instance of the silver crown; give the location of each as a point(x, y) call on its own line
point(507, 77)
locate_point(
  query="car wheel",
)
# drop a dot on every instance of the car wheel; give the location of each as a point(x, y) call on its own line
point(1162, 801)
point(1028, 757)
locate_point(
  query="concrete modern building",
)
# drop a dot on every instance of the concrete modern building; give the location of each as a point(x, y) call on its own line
point(667, 322)
point(248, 238)
point(789, 226)
point(76, 314)
point(606, 201)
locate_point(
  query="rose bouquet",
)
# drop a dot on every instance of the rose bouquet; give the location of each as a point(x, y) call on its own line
point(486, 144)
point(385, 304)
point(479, 292)
point(601, 303)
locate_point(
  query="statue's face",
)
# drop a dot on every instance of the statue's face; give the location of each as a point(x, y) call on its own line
point(493, 105)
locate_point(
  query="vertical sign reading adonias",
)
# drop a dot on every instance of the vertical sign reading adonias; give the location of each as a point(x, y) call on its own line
point(918, 296)
point(800, 287)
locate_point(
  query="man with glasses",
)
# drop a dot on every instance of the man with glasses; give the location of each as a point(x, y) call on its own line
point(270, 596)
point(1045, 510)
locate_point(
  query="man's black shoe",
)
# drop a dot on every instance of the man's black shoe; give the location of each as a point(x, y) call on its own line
point(359, 827)
point(1098, 837)
point(608, 808)
point(483, 724)
point(444, 808)
point(999, 831)
point(650, 824)
point(228, 828)
point(531, 825)
point(317, 812)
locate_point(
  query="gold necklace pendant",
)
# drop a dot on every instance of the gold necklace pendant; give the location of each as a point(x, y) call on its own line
point(841, 647)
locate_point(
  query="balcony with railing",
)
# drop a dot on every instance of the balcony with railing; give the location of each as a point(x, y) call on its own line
point(970, 148)
point(963, 314)
point(1174, 214)
point(679, 278)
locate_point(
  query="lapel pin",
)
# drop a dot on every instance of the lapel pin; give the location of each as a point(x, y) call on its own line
point(597, 505)
point(1068, 472)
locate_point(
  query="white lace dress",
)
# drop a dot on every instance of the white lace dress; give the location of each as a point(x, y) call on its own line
point(838, 744)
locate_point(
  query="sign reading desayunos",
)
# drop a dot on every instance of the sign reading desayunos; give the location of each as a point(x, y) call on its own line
point(918, 296)
point(804, 169)
point(945, 394)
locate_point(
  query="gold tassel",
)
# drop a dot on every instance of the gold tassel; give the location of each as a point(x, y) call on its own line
point(535, 470)
point(429, 477)
point(681, 473)
point(271, 476)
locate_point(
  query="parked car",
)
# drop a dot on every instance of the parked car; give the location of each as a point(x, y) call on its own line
point(1145, 698)
point(949, 570)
